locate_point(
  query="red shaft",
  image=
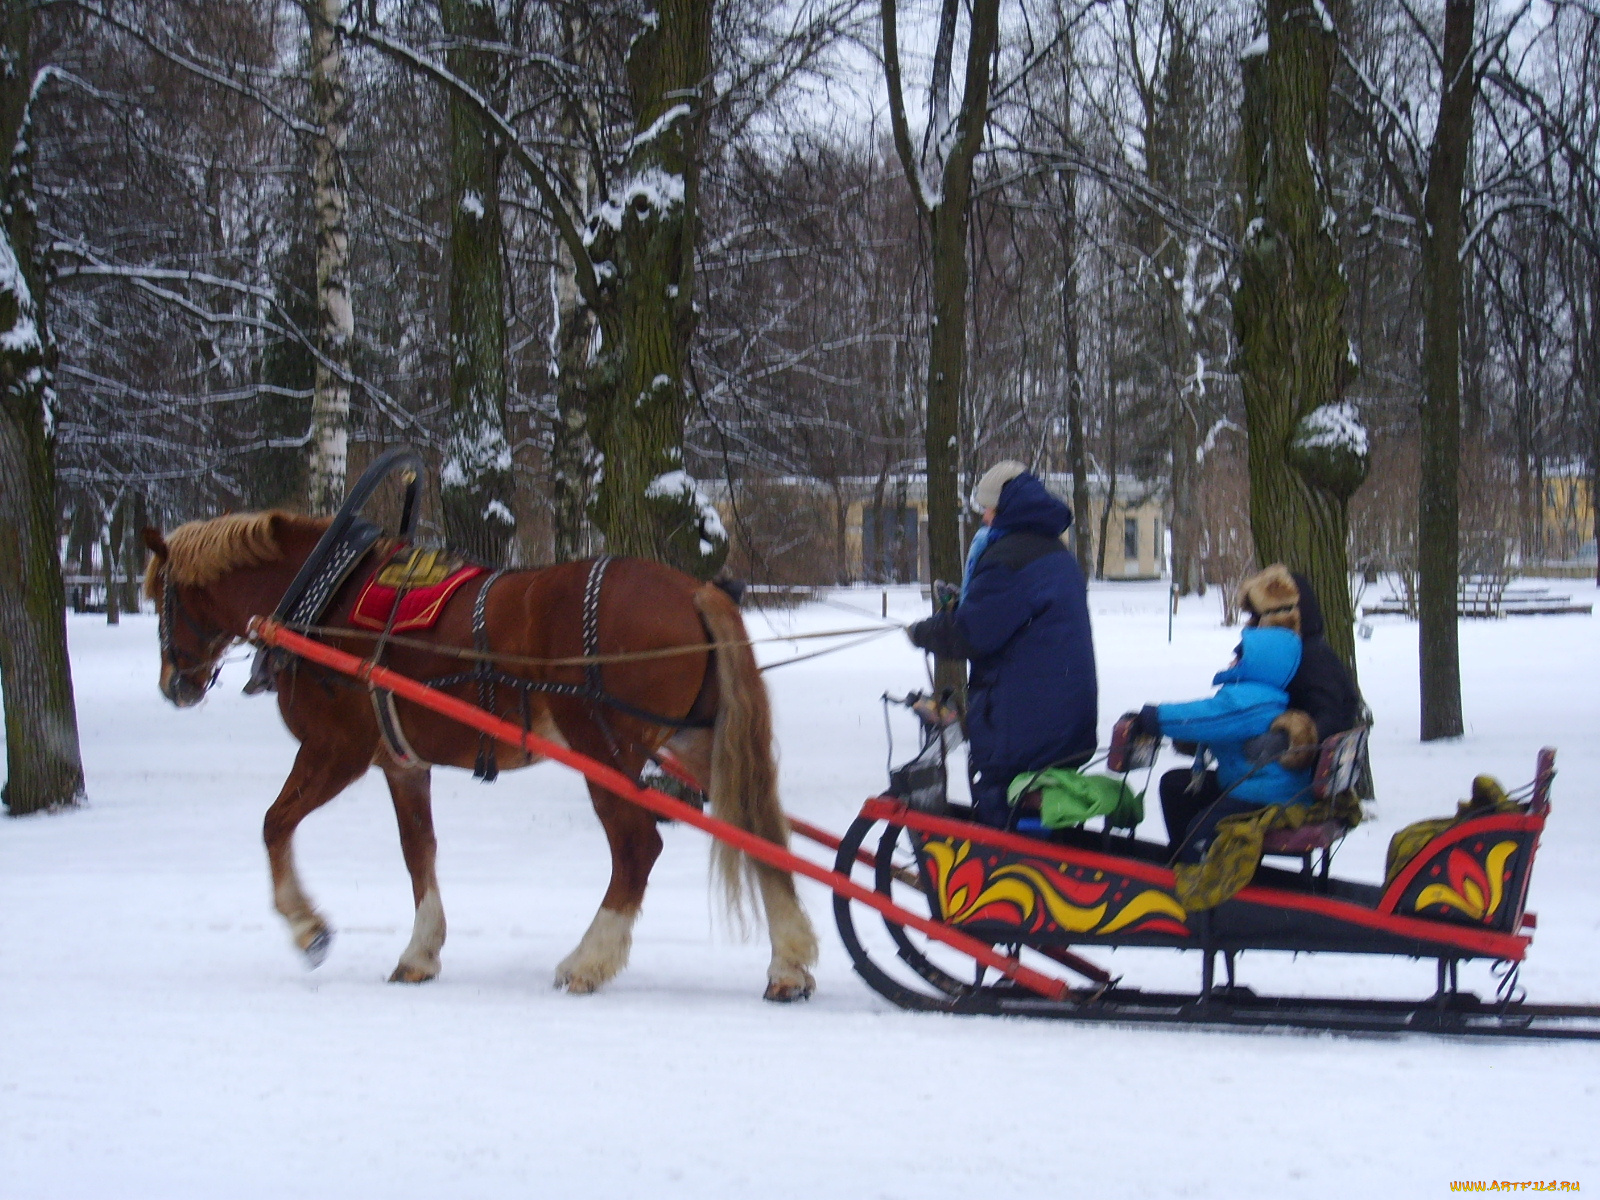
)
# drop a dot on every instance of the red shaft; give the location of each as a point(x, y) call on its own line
point(613, 780)
point(822, 837)
point(805, 829)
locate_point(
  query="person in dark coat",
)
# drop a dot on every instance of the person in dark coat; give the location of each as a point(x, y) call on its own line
point(1033, 698)
point(1323, 699)
point(1322, 688)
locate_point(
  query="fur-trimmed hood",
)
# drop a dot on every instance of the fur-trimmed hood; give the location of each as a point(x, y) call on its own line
point(1272, 598)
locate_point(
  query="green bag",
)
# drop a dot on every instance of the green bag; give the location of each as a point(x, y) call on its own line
point(1068, 798)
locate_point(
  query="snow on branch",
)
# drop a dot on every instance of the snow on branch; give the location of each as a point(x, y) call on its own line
point(544, 181)
point(23, 336)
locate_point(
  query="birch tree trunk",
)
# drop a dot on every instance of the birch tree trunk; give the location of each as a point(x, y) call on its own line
point(1294, 357)
point(43, 766)
point(326, 466)
point(1438, 528)
point(572, 457)
point(475, 478)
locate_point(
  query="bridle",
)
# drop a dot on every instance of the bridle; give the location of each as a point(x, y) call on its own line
point(183, 663)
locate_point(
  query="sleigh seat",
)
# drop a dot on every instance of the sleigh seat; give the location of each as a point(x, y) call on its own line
point(1339, 769)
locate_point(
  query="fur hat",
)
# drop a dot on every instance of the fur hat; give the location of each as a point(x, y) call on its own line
point(987, 494)
point(1272, 599)
point(1303, 742)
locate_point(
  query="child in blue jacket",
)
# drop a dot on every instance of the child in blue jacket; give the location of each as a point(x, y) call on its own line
point(1251, 697)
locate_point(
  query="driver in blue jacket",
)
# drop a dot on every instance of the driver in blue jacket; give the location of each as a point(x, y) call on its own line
point(1023, 622)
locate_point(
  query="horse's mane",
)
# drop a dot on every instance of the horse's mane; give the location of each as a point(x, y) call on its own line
point(201, 552)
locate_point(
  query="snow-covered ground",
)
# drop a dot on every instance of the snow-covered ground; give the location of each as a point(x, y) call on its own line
point(162, 1038)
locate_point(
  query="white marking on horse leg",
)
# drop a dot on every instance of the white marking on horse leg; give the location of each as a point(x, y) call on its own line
point(601, 953)
point(794, 942)
point(420, 961)
point(306, 926)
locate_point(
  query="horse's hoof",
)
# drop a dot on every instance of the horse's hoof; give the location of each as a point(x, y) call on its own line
point(575, 984)
point(789, 993)
point(406, 974)
point(316, 950)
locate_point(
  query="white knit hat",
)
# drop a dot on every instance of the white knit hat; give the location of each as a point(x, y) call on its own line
point(987, 494)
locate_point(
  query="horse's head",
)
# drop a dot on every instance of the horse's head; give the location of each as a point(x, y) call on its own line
point(191, 643)
point(207, 578)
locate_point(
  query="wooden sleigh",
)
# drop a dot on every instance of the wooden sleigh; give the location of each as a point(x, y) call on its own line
point(1462, 897)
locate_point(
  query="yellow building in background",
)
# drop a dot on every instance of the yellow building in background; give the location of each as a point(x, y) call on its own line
point(888, 542)
point(1568, 520)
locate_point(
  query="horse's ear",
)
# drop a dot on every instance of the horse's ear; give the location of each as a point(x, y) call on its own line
point(154, 542)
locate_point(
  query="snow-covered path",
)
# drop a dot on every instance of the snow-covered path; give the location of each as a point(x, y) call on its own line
point(161, 1038)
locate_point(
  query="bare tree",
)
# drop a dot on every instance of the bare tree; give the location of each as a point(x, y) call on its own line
point(940, 176)
point(44, 769)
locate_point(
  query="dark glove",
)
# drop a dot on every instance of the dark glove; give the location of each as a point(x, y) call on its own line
point(1131, 747)
point(940, 635)
point(945, 595)
point(1147, 721)
point(1266, 747)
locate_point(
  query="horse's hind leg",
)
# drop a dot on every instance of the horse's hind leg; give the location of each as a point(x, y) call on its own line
point(412, 793)
point(794, 943)
point(635, 845)
point(320, 773)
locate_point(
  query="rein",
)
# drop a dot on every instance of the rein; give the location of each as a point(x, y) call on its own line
point(594, 660)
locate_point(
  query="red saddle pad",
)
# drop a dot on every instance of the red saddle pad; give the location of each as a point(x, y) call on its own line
point(423, 580)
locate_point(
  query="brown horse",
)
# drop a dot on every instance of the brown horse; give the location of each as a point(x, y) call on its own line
point(224, 571)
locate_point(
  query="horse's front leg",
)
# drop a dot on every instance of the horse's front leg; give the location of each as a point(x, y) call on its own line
point(635, 845)
point(412, 793)
point(320, 773)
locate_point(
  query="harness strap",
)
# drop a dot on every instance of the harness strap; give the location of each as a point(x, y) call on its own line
point(486, 768)
point(394, 737)
point(591, 617)
point(487, 676)
point(591, 647)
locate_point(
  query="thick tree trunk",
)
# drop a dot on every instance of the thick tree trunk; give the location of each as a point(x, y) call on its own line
point(1438, 529)
point(642, 244)
point(1169, 111)
point(327, 460)
point(43, 766)
point(476, 485)
point(1293, 356)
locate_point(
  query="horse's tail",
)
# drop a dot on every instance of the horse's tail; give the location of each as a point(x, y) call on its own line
point(744, 775)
